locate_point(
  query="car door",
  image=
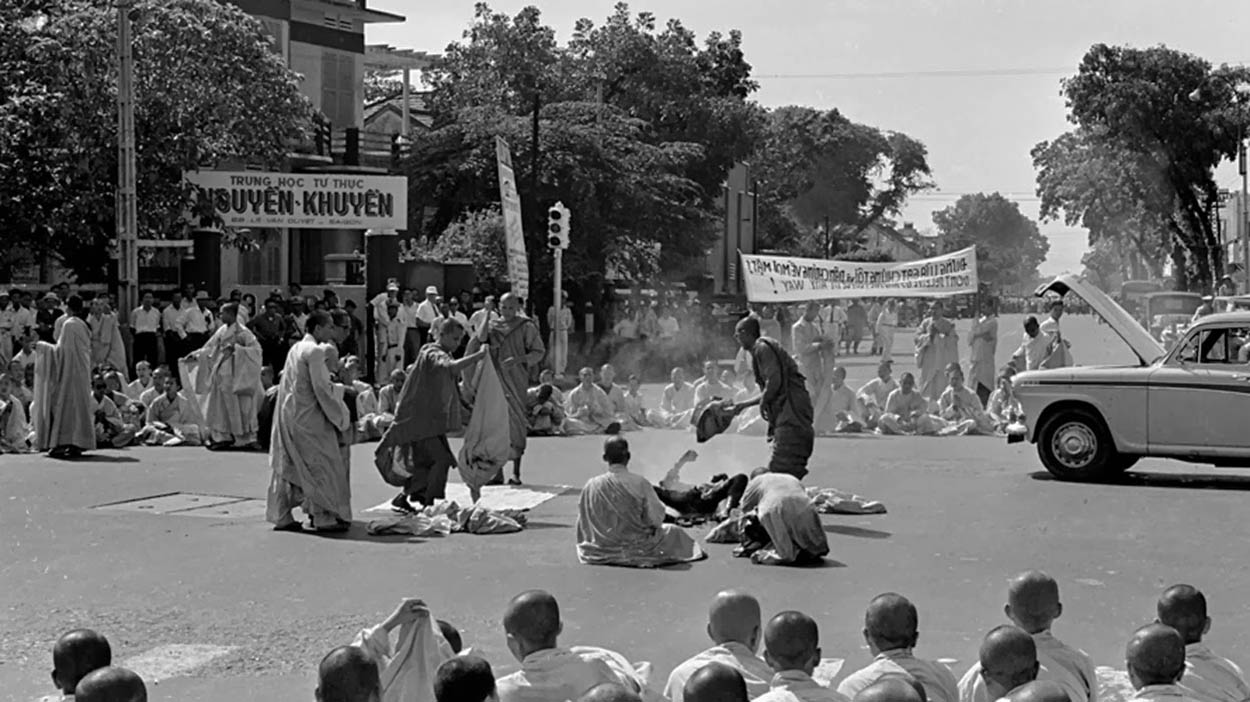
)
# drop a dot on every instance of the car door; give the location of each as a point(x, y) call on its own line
point(1199, 397)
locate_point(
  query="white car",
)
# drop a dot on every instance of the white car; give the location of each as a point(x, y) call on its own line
point(1191, 403)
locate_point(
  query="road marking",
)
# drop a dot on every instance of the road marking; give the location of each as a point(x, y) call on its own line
point(164, 662)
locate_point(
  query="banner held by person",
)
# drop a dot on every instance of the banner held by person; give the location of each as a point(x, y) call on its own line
point(518, 262)
point(792, 279)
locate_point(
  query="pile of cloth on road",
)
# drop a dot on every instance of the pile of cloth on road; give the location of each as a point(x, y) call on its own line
point(448, 518)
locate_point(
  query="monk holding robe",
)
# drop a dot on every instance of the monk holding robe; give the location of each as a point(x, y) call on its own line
point(784, 402)
point(620, 519)
point(937, 346)
point(61, 408)
point(229, 379)
point(516, 348)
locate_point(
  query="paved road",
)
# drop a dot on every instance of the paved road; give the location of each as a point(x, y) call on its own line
point(231, 610)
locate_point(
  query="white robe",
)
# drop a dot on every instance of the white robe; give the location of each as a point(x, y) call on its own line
point(228, 386)
point(938, 681)
point(61, 410)
point(1210, 678)
point(407, 672)
point(565, 674)
point(755, 672)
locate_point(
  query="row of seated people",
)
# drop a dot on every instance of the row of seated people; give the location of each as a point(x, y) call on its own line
point(413, 656)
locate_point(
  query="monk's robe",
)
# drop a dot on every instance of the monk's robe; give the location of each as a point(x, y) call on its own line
point(308, 469)
point(620, 407)
point(816, 365)
point(708, 390)
point(555, 674)
point(61, 407)
point(937, 346)
point(545, 411)
point(871, 399)
point(620, 521)
point(228, 385)
point(171, 423)
point(107, 348)
point(936, 679)
point(1071, 668)
point(1209, 677)
point(962, 410)
point(908, 413)
point(367, 413)
point(984, 346)
point(785, 405)
point(755, 672)
point(587, 410)
point(676, 407)
point(15, 432)
point(790, 518)
point(406, 670)
point(635, 410)
point(844, 409)
point(1004, 409)
point(516, 348)
point(108, 423)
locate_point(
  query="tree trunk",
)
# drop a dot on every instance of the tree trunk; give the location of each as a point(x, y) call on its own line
point(1180, 267)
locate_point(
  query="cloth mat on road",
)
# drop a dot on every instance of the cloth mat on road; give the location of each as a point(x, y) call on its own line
point(447, 518)
point(497, 497)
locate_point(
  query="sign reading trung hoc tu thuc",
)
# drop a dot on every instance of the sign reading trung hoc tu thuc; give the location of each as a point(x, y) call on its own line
point(304, 200)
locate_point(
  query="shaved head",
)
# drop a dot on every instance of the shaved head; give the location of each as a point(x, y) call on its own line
point(749, 326)
point(1039, 691)
point(532, 621)
point(609, 692)
point(893, 688)
point(715, 682)
point(792, 642)
point(615, 450)
point(1155, 656)
point(1033, 601)
point(111, 685)
point(891, 622)
point(1008, 659)
point(734, 616)
point(1184, 608)
point(348, 674)
point(76, 654)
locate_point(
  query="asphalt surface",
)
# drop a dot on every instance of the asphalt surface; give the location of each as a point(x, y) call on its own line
point(231, 610)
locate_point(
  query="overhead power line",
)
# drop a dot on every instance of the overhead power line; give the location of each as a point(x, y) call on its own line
point(938, 73)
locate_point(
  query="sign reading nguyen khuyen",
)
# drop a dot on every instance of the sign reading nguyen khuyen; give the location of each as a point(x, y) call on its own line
point(304, 200)
point(787, 279)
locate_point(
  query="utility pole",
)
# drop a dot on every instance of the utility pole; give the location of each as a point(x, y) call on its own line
point(127, 216)
point(1242, 224)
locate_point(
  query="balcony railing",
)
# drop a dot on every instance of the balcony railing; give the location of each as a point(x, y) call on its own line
point(351, 146)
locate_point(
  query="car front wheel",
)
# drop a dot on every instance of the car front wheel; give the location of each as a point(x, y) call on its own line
point(1074, 445)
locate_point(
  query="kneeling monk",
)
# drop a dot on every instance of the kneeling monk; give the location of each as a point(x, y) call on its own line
point(620, 520)
point(788, 519)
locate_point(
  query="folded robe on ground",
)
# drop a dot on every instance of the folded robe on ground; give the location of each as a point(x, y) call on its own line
point(448, 517)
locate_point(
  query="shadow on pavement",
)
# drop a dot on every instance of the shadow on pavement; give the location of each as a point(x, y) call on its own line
point(546, 525)
point(97, 458)
point(856, 531)
point(1165, 480)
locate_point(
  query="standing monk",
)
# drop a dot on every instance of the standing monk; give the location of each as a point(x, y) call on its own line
point(308, 468)
point(429, 409)
point(816, 355)
point(783, 402)
point(61, 410)
point(229, 374)
point(106, 337)
point(984, 343)
point(937, 346)
point(516, 347)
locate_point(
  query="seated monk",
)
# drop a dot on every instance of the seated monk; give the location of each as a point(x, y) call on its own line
point(635, 409)
point(15, 429)
point(700, 500)
point(76, 655)
point(620, 519)
point(734, 626)
point(1004, 408)
point(784, 528)
point(676, 405)
point(1208, 677)
point(874, 394)
point(792, 648)
point(907, 412)
point(465, 679)
point(891, 630)
point(546, 413)
point(716, 682)
point(843, 405)
point(610, 692)
point(587, 409)
point(1008, 660)
point(710, 387)
point(383, 415)
point(111, 685)
point(616, 396)
point(108, 419)
point(961, 408)
point(1155, 658)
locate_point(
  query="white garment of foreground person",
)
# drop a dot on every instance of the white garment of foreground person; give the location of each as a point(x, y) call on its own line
point(620, 519)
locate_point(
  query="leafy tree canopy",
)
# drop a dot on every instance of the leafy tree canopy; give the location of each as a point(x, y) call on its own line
point(1009, 246)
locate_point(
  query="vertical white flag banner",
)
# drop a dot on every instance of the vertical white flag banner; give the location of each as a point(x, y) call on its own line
point(518, 262)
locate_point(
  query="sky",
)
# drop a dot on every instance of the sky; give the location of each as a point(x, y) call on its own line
point(977, 81)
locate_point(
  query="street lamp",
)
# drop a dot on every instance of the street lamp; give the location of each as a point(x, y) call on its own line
point(1242, 91)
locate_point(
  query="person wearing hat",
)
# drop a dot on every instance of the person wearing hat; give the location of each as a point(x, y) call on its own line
point(427, 312)
point(194, 323)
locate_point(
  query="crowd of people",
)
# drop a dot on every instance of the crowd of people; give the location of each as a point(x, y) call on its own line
point(413, 657)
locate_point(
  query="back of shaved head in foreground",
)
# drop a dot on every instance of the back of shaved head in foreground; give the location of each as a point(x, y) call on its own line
point(734, 616)
point(1008, 660)
point(348, 674)
point(1184, 608)
point(893, 688)
point(715, 682)
point(1155, 656)
point(76, 654)
point(111, 685)
point(792, 642)
point(1033, 601)
point(890, 623)
point(1039, 691)
point(532, 623)
point(609, 692)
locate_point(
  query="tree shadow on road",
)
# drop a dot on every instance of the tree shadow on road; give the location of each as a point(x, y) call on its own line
point(846, 530)
point(1191, 481)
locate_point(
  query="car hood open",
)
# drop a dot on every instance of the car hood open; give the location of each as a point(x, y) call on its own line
point(1138, 339)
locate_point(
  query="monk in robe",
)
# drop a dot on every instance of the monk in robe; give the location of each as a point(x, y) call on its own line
point(1004, 407)
point(1155, 658)
point(414, 452)
point(229, 378)
point(792, 648)
point(107, 349)
point(587, 409)
point(1208, 677)
point(549, 672)
point(937, 346)
point(61, 407)
point(516, 350)
point(142, 381)
point(784, 402)
point(635, 406)
point(111, 685)
point(717, 682)
point(782, 524)
point(545, 406)
point(1038, 691)
point(620, 519)
point(171, 416)
point(983, 341)
point(616, 395)
point(734, 627)
point(906, 412)
point(107, 418)
point(676, 403)
point(815, 353)
point(76, 655)
point(1033, 605)
point(308, 468)
point(348, 673)
point(1008, 660)
point(15, 433)
point(961, 409)
point(710, 386)
point(891, 630)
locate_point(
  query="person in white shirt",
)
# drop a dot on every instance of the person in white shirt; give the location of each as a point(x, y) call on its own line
point(891, 629)
point(1155, 658)
point(792, 648)
point(482, 316)
point(734, 626)
point(559, 337)
point(427, 312)
point(170, 313)
point(1057, 347)
point(406, 315)
point(26, 356)
point(145, 324)
point(1208, 677)
point(1032, 349)
point(194, 323)
point(7, 337)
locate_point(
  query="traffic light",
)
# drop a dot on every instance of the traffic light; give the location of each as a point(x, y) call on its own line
point(558, 227)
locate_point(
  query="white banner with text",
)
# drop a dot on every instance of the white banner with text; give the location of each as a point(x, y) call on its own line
point(304, 200)
point(514, 235)
point(787, 279)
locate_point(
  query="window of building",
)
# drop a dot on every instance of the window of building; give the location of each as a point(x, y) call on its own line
point(276, 30)
point(262, 265)
point(339, 99)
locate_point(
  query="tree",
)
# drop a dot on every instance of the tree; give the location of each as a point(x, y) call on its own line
point(1105, 266)
point(209, 88)
point(477, 236)
point(867, 256)
point(1009, 246)
point(819, 167)
point(1176, 119)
